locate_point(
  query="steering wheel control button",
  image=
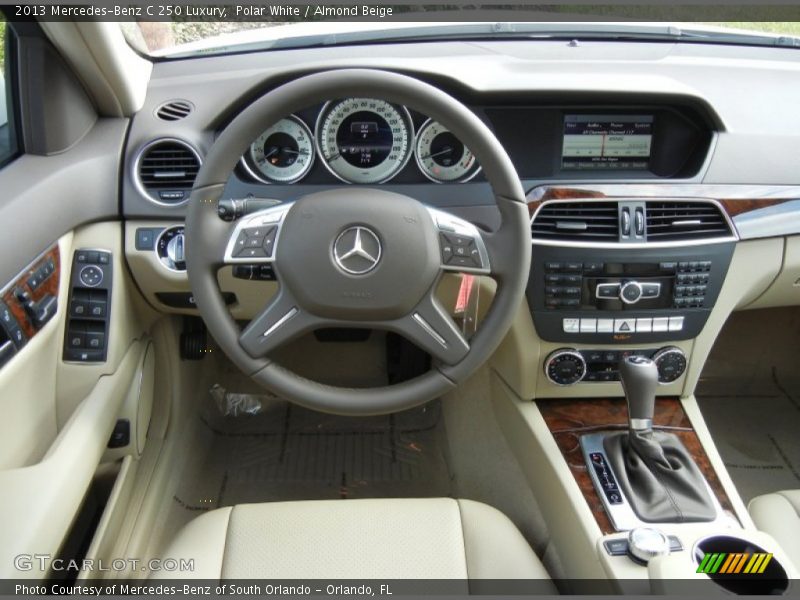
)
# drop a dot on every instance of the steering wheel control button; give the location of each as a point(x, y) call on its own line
point(91, 276)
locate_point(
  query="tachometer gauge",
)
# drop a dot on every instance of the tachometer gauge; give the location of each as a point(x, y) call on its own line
point(364, 140)
point(284, 153)
point(441, 156)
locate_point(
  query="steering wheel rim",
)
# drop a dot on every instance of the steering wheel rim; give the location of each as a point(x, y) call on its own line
point(207, 237)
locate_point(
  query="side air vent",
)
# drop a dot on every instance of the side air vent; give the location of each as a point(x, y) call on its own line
point(685, 221)
point(167, 170)
point(577, 221)
point(174, 110)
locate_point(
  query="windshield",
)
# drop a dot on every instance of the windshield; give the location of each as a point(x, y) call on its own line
point(185, 38)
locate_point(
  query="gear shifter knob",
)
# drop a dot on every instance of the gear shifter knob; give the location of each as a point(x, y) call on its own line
point(639, 377)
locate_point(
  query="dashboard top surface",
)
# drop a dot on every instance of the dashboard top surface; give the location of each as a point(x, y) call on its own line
point(507, 83)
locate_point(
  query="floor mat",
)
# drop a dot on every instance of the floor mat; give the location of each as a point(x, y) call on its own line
point(286, 452)
point(750, 398)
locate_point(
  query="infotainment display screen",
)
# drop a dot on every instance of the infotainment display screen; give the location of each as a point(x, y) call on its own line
point(607, 141)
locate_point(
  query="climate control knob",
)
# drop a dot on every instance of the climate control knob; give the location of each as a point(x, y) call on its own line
point(671, 364)
point(565, 366)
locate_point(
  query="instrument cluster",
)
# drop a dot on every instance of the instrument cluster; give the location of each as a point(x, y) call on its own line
point(359, 140)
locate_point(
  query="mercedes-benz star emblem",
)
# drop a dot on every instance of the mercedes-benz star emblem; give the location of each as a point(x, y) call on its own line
point(357, 250)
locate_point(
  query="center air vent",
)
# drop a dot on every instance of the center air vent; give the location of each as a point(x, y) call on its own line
point(577, 221)
point(680, 221)
point(167, 170)
point(174, 110)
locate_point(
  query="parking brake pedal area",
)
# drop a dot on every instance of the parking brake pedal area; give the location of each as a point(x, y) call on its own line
point(86, 337)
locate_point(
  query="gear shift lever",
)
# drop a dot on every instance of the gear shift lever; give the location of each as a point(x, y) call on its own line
point(656, 473)
point(639, 377)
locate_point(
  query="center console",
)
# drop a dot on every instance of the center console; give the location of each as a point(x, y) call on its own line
point(621, 295)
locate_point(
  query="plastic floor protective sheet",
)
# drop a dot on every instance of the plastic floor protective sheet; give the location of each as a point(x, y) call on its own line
point(750, 398)
point(286, 452)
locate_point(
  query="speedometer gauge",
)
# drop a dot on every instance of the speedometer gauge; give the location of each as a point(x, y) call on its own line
point(364, 140)
point(283, 153)
point(441, 156)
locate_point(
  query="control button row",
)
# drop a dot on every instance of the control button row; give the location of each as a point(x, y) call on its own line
point(690, 302)
point(690, 290)
point(93, 257)
point(645, 325)
point(563, 279)
point(88, 304)
point(573, 267)
point(39, 276)
point(694, 265)
point(89, 336)
point(689, 278)
point(557, 290)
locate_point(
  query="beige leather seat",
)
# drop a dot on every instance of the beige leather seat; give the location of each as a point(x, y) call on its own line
point(438, 538)
point(778, 514)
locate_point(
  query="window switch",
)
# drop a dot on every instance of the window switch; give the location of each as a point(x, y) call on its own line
point(95, 340)
point(97, 308)
point(76, 337)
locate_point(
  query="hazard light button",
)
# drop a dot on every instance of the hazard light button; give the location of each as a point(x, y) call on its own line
point(624, 325)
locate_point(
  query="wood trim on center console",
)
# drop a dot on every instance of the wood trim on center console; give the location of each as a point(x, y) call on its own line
point(735, 199)
point(570, 418)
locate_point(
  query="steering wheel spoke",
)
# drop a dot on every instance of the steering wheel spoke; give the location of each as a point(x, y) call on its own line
point(280, 322)
point(433, 330)
point(254, 238)
point(461, 244)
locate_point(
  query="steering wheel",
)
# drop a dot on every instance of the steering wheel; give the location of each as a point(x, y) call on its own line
point(355, 256)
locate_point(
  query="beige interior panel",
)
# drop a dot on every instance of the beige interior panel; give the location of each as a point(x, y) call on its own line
point(152, 277)
point(113, 73)
point(570, 522)
point(785, 290)
point(754, 266)
point(127, 321)
point(28, 381)
point(39, 502)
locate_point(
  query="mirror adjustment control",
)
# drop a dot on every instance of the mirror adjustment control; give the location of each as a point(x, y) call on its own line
point(91, 276)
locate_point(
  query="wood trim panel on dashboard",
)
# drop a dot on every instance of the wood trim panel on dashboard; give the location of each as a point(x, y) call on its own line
point(26, 281)
point(568, 419)
point(735, 199)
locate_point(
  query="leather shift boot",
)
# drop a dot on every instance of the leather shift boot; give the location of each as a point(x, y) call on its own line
point(659, 477)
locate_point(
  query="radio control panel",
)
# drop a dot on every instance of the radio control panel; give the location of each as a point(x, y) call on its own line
point(610, 295)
